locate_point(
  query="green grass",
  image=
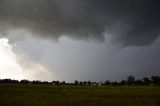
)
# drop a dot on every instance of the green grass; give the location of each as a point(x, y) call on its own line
point(47, 95)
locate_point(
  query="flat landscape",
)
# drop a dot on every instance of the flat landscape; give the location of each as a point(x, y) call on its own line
point(52, 95)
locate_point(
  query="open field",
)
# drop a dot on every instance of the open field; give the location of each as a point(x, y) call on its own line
point(48, 95)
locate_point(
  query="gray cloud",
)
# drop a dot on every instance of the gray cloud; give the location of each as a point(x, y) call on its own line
point(71, 60)
point(127, 22)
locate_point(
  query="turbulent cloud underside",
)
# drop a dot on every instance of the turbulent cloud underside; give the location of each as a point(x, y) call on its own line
point(126, 21)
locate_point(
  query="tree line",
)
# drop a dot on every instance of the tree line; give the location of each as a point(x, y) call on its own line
point(130, 81)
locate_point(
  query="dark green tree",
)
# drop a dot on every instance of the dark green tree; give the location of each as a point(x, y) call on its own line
point(76, 82)
point(123, 82)
point(89, 83)
point(24, 81)
point(63, 83)
point(146, 81)
point(131, 80)
point(139, 82)
point(155, 80)
point(107, 82)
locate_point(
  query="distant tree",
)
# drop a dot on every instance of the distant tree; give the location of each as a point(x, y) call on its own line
point(138, 82)
point(107, 82)
point(85, 82)
point(89, 83)
point(81, 83)
point(123, 82)
point(53, 82)
point(15, 81)
point(146, 81)
point(76, 82)
point(24, 81)
point(57, 82)
point(46, 82)
point(63, 83)
point(155, 80)
point(115, 83)
point(130, 80)
point(36, 82)
point(9, 81)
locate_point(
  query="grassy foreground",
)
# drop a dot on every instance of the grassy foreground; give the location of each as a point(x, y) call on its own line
point(47, 95)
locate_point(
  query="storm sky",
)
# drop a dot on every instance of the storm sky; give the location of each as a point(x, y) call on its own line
point(83, 39)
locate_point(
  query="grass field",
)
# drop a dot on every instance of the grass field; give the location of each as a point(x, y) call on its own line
point(48, 95)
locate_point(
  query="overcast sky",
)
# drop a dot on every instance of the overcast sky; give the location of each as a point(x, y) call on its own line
point(82, 39)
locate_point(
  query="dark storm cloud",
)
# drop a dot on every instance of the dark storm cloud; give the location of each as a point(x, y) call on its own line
point(129, 22)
